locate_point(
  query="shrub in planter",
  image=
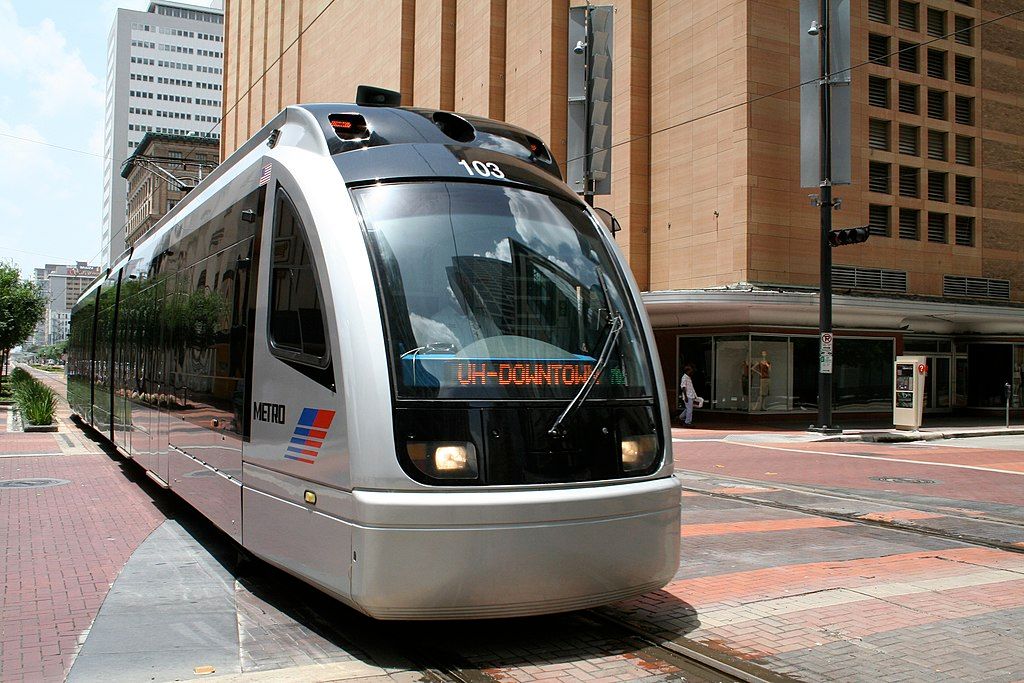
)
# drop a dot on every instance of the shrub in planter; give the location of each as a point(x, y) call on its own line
point(19, 377)
point(36, 402)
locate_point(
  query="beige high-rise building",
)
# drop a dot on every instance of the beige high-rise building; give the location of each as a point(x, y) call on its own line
point(705, 169)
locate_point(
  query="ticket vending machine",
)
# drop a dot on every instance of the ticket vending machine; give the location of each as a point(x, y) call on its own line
point(908, 397)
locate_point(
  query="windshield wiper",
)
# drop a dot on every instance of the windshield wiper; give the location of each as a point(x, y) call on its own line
point(615, 327)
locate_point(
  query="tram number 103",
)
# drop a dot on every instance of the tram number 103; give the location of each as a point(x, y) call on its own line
point(487, 169)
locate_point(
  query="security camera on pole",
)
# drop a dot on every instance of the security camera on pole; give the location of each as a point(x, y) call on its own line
point(825, 155)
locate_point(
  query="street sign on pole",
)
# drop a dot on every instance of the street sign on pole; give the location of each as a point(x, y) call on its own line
point(825, 358)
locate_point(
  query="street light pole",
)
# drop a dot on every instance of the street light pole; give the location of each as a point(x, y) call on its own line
point(825, 292)
point(588, 114)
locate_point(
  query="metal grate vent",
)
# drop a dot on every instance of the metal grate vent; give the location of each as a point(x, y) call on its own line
point(974, 287)
point(880, 279)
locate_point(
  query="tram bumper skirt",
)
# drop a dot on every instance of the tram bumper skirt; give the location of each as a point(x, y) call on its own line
point(417, 555)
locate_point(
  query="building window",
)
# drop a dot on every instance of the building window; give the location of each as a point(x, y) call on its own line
point(910, 181)
point(878, 219)
point(909, 98)
point(964, 110)
point(937, 226)
point(964, 27)
point(964, 150)
point(910, 220)
point(965, 231)
point(908, 56)
point(878, 10)
point(936, 104)
point(878, 49)
point(878, 92)
point(937, 63)
point(937, 186)
point(937, 145)
point(878, 134)
point(878, 177)
point(964, 190)
point(909, 140)
point(963, 69)
point(908, 12)
point(936, 22)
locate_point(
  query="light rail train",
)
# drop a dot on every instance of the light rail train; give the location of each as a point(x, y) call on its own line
point(389, 351)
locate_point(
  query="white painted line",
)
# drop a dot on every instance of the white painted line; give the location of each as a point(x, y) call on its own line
point(883, 458)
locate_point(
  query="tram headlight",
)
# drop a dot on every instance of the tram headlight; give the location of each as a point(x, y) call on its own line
point(445, 460)
point(638, 452)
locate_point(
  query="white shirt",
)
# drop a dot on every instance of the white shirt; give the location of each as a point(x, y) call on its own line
point(687, 386)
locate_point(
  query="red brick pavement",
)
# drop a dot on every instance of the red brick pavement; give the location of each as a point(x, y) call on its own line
point(62, 548)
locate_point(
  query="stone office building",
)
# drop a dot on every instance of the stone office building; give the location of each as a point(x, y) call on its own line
point(704, 169)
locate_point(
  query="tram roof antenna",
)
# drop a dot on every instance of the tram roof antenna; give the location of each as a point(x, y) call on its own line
point(372, 96)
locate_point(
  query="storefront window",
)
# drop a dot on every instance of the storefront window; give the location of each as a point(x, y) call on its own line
point(862, 374)
point(732, 376)
point(990, 367)
point(1018, 375)
point(805, 373)
point(769, 374)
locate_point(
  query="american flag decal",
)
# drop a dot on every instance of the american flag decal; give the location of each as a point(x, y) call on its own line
point(265, 175)
point(309, 434)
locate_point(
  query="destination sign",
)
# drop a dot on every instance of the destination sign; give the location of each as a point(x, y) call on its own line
point(518, 373)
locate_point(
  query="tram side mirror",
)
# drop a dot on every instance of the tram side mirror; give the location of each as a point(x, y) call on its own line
point(609, 220)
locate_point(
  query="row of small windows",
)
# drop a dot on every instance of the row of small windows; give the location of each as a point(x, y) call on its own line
point(880, 180)
point(909, 100)
point(207, 119)
point(908, 59)
point(209, 53)
point(173, 81)
point(936, 22)
point(141, 77)
point(208, 103)
point(209, 69)
point(189, 14)
point(909, 142)
point(140, 111)
point(909, 225)
point(176, 65)
point(143, 43)
point(210, 37)
point(139, 127)
point(173, 98)
point(173, 115)
point(143, 60)
point(208, 86)
point(140, 93)
point(180, 131)
point(164, 47)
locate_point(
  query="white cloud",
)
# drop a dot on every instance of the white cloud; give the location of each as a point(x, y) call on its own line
point(58, 81)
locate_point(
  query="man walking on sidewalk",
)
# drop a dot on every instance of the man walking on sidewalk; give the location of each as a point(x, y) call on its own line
point(689, 395)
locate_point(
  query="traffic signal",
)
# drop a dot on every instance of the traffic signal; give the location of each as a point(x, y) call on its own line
point(839, 238)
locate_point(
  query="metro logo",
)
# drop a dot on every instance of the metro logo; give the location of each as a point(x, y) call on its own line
point(309, 434)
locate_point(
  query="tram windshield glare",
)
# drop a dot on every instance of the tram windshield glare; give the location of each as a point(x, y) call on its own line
point(498, 292)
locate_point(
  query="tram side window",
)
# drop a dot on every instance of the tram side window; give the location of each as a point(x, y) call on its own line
point(297, 330)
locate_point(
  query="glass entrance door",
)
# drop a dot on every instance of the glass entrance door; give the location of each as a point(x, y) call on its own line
point(938, 388)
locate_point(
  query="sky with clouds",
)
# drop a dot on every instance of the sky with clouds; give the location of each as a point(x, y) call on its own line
point(52, 71)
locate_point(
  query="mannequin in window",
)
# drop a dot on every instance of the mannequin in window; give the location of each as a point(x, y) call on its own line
point(762, 369)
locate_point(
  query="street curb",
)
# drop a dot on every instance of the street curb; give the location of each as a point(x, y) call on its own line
point(904, 437)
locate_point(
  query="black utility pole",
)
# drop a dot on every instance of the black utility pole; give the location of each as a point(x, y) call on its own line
point(588, 106)
point(825, 292)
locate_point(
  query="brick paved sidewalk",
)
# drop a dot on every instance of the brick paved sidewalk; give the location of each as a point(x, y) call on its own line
point(821, 599)
point(63, 545)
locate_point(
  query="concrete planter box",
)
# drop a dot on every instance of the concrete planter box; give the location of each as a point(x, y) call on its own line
point(16, 424)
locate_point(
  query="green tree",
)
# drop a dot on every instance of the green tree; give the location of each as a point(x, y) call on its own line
point(22, 305)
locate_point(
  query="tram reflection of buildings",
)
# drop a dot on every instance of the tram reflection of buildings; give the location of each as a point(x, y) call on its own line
point(528, 296)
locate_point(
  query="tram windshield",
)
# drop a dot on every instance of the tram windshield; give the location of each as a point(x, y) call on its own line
point(498, 292)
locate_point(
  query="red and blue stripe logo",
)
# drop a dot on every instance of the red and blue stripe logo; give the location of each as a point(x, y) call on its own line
point(309, 435)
